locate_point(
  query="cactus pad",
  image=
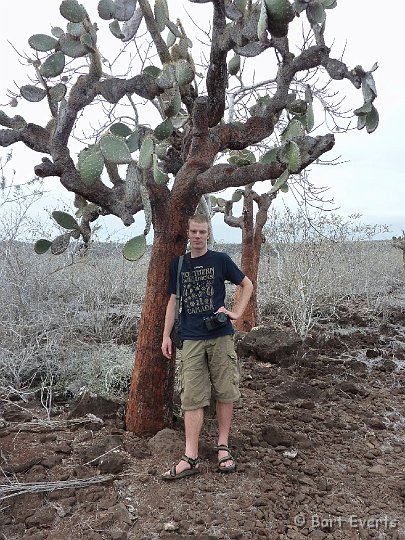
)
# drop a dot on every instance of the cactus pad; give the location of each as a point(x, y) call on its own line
point(72, 11)
point(57, 92)
point(234, 64)
point(124, 9)
point(106, 9)
point(42, 42)
point(316, 13)
point(42, 246)
point(146, 153)
point(90, 164)
point(184, 72)
point(134, 248)
point(133, 141)
point(53, 65)
point(159, 176)
point(115, 149)
point(72, 47)
point(60, 244)
point(65, 220)
point(120, 129)
point(32, 93)
point(164, 130)
point(281, 180)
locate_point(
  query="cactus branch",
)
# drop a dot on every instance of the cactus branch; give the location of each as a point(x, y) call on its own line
point(217, 76)
point(160, 44)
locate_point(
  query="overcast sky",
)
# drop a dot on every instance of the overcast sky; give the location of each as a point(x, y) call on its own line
point(370, 182)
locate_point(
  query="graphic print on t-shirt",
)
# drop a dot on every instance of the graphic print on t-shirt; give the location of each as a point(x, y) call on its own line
point(198, 290)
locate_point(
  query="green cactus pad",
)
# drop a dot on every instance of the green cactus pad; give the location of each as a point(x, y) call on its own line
point(161, 13)
point(173, 29)
point(184, 72)
point(75, 29)
point(213, 200)
point(115, 29)
point(221, 202)
point(294, 156)
point(241, 158)
point(57, 32)
point(130, 28)
point(234, 65)
point(364, 109)
point(146, 153)
point(90, 164)
point(298, 106)
point(269, 156)
point(281, 180)
point(53, 65)
point(32, 93)
point(284, 188)
point(164, 130)
point(124, 9)
point(167, 77)
point(42, 42)
point(134, 248)
point(316, 13)
point(372, 120)
point(115, 149)
point(89, 41)
point(173, 107)
point(309, 118)
point(237, 195)
point(329, 4)
point(72, 47)
point(293, 130)
point(60, 244)
point(279, 11)
point(161, 150)
point(361, 121)
point(153, 71)
point(120, 129)
point(171, 39)
point(72, 11)
point(106, 9)
point(42, 246)
point(65, 220)
point(57, 92)
point(278, 30)
point(262, 24)
point(159, 176)
point(133, 141)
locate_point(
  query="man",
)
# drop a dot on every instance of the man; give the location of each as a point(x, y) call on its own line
point(209, 361)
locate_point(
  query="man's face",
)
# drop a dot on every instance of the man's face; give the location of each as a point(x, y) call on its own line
point(198, 234)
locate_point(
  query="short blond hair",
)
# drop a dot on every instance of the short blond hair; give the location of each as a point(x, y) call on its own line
point(199, 218)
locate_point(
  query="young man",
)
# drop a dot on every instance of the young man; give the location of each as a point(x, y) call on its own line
point(209, 361)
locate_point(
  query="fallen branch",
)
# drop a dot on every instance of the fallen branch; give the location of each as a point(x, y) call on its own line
point(12, 490)
point(52, 425)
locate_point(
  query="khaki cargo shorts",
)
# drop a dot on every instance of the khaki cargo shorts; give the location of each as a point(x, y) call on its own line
point(209, 365)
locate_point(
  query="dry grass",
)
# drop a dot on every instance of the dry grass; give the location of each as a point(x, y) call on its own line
point(70, 322)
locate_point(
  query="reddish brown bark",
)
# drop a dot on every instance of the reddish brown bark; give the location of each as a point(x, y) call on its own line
point(150, 400)
point(252, 240)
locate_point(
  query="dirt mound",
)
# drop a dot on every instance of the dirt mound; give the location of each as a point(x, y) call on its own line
point(319, 441)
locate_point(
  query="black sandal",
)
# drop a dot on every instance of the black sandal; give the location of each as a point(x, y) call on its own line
point(194, 469)
point(229, 457)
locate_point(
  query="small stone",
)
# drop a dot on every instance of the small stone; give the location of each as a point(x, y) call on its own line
point(171, 526)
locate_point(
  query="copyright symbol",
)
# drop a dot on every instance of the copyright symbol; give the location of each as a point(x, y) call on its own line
point(299, 520)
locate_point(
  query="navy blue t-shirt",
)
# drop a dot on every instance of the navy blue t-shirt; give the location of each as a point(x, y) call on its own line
point(202, 283)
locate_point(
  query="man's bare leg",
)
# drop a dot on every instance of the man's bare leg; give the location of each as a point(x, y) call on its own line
point(193, 421)
point(224, 418)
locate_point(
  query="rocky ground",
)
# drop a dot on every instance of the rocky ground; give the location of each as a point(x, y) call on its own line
point(319, 438)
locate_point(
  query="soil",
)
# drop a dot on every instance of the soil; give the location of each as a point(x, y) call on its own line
point(319, 441)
